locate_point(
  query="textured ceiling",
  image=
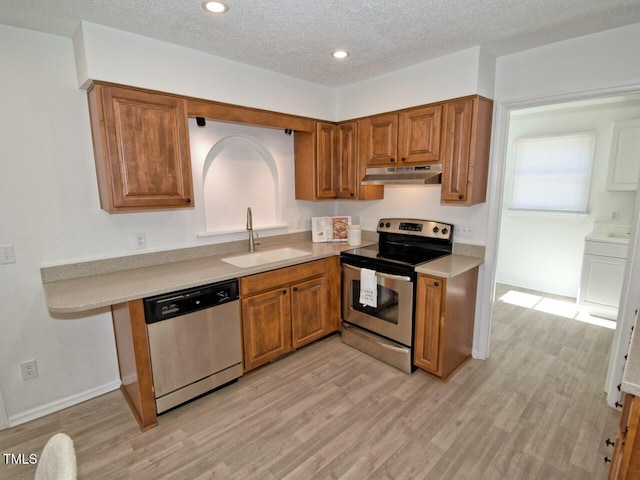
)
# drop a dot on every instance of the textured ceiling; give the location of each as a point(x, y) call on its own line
point(296, 37)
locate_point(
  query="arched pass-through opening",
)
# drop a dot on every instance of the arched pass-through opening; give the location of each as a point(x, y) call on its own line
point(240, 172)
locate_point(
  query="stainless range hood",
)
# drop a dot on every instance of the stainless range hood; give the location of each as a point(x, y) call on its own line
point(414, 175)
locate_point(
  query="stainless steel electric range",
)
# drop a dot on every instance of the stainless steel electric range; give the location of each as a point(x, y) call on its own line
point(379, 287)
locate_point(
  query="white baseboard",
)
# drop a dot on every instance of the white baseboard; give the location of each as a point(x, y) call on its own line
point(553, 290)
point(61, 404)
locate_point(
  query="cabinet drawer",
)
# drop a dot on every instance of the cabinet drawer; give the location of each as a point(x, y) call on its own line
point(606, 249)
point(281, 277)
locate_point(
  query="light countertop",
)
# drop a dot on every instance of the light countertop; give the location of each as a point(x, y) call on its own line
point(66, 292)
point(610, 233)
point(449, 266)
point(105, 289)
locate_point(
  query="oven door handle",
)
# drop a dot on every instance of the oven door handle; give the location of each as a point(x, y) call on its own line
point(370, 338)
point(400, 278)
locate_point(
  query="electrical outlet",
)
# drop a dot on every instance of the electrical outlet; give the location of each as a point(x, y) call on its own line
point(141, 241)
point(29, 369)
point(7, 255)
point(615, 215)
point(465, 231)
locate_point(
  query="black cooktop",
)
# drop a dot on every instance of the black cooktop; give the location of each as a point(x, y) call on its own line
point(405, 243)
point(406, 257)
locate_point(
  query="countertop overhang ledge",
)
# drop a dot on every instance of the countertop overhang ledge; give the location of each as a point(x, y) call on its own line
point(71, 293)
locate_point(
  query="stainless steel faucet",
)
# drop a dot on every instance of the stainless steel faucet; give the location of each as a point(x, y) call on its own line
point(252, 242)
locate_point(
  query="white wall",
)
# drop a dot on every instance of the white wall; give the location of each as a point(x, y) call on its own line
point(543, 251)
point(573, 67)
point(106, 54)
point(463, 73)
point(253, 168)
point(50, 208)
point(50, 211)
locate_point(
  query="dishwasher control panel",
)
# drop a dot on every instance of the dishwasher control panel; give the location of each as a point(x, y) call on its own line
point(169, 305)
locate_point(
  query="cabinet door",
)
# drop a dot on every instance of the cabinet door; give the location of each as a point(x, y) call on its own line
point(456, 149)
point(419, 135)
point(347, 160)
point(626, 459)
point(309, 311)
point(601, 282)
point(141, 144)
point(266, 326)
point(382, 140)
point(429, 321)
point(624, 161)
point(326, 181)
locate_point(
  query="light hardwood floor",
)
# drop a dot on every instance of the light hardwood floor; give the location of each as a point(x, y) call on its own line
point(534, 410)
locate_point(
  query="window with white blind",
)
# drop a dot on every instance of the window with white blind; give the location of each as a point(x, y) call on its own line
point(553, 173)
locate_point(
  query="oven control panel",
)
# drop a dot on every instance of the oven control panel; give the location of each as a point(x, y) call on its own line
point(411, 226)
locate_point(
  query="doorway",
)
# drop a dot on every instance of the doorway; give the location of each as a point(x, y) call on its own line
point(553, 233)
point(630, 297)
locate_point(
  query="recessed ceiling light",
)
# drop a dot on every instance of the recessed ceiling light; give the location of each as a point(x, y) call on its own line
point(340, 54)
point(215, 7)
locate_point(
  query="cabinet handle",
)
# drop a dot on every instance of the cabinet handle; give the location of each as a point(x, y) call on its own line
point(618, 404)
point(352, 194)
point(295, 289)
point(460, 197)
point(437, 284)
point(188, 200)
point(607, 460)
point(404, 159)
point(393, 160)
point(284, 292)
point(609, 443)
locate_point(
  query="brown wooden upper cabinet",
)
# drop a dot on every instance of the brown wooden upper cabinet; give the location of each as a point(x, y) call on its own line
point(465, 150)
point(326, 177)
point(141, 146)
point(408, 137)
point(347, 160)
point(328, 166)
point(380, 134)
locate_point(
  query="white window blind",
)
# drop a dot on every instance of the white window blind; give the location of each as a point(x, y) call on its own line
point(553, 173)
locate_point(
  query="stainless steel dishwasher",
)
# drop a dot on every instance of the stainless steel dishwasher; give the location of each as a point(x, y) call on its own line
point(194, 340)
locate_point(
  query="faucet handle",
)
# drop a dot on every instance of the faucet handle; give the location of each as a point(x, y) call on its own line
point(256, 237)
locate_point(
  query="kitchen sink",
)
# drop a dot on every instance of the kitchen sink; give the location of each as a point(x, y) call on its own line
point(264, 257)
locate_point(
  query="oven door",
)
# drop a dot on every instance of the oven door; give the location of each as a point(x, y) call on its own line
point(393, 317)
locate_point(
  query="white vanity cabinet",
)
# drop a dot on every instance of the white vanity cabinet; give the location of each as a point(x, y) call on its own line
point(603, 264)
point(624, 163)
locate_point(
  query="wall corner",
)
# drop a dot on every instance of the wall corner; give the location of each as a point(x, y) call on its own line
point(80, 57)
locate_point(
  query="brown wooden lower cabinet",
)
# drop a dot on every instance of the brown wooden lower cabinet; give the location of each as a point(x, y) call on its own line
point(266, 326)
point(308, 311)
point(625, 464)
point(282, 310)
point(287, 308)
point(134, 361)
point(445, 310)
